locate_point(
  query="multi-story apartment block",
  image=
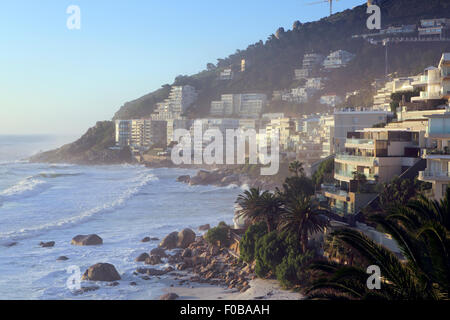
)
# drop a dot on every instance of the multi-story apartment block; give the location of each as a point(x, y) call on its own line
point(434, 28)
point(226, 74)
point(123, 133)
point(303, 73)
point(337, 59)
point(382, 99)
point(141, 134)
point(299, 95)
point(285, 128)
point(351, 120)
point(179, 100)
point(245, 105)
point(174, 124)
point(378, 154)
point(312, 60)
point(438, 154)
point(314, 83)
point(331, 100)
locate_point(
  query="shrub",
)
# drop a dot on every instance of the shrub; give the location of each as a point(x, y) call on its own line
point(269, 253)
point(248, 242)
point(292, 269)
point(218, 234)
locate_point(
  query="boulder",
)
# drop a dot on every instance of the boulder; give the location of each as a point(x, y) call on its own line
point(142, 257)
point(151, 271)
point(101, 272)
point(185, 238)
point(204, 227)
point(153, 260)
point(186, 253)
point(159, 252)
point(62, 258)
point(146, 239)
point(87, 240)
point(154, 239)
point(184, 178)
point(47, 244)
point(169, 296)
point(10, 244)
point(170, 241)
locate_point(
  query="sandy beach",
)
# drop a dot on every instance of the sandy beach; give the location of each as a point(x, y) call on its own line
point(260, 289)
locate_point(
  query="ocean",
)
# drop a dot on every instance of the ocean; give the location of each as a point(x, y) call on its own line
point(120, 203)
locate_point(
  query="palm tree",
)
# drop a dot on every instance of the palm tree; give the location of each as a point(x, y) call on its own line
point(302, 217)
point(296, 167)
point(421, 233)
point(257, 205)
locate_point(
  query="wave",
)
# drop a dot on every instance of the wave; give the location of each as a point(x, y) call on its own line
point(26, 188)
point(142, 180)
point(56, 175)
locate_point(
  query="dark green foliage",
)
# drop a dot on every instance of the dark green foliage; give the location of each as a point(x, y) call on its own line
point(269, 252)
point(324, 172)
point(292, 271)
point(294, 186)
point(248, 242)
point(398, 192)
point(218, 234)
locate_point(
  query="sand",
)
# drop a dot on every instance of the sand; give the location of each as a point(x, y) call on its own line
point(259, 290)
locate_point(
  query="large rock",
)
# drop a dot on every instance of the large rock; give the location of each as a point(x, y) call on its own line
point(159, 252)
point(184, 178)
point(87, 240)
point(204, 227)
point(142, 257)
point(101, 272)
point(169, 296)
point(170, 241)
point(49, 244)
point(153, 260)
point(185, 238)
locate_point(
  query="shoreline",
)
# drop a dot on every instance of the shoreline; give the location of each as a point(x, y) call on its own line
point(260, 289)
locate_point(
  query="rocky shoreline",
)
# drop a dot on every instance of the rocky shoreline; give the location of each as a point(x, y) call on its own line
point(223, 177)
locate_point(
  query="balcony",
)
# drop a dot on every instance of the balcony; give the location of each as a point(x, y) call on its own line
point(355, 158)
point(429, 175)
point(360, 142)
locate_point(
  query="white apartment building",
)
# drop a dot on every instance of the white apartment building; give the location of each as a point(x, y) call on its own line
point(337, 59)
point(438, 154)
point(302, 73)
point(347, 120)
point(331, 100)
point(226, 74)
point(247, 105)
point(315, 83)
point(434, 28)
point(299, 95)
point(311, 60)
point(382, 99)
point(174, 124)
point(141, 134)
point(179, 100)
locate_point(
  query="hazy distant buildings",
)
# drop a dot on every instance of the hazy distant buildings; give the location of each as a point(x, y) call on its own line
point(141, 134)
point(179, 100)
point(247, 105)
point(337, 59)
point(226, 74)
point(331, 100)
point(434, 28)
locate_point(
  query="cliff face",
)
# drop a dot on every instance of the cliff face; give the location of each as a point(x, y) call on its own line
point(91, 148)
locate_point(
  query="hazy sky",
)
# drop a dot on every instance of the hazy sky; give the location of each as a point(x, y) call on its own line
point(55, 80)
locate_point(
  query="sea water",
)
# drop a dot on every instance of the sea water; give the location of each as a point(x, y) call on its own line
point(120, 203)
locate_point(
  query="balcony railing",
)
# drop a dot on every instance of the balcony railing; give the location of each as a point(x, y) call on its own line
point(355, 158)
point(429, 174)
point(359, 141)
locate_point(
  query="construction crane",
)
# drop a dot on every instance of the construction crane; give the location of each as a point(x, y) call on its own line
point(322, 1)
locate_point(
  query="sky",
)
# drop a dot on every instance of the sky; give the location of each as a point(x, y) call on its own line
point(59, 81)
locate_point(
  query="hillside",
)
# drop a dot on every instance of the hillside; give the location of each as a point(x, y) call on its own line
point(91, 148)
point(272, 62)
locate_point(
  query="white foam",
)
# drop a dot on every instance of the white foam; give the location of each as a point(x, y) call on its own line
point(24, 188)
point(142, 180)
